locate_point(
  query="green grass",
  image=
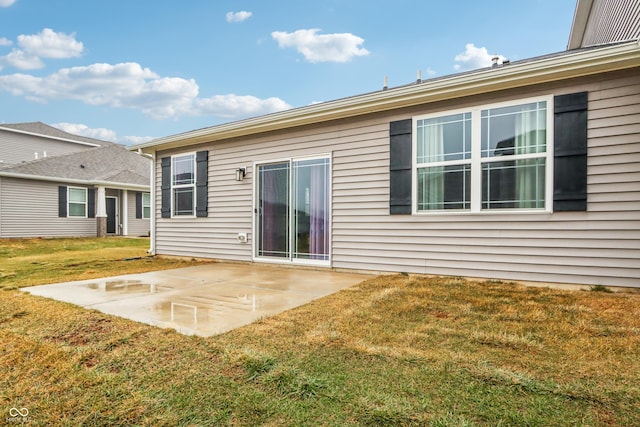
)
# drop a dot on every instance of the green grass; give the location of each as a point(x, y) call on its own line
point(394, 350)
point(27, 262)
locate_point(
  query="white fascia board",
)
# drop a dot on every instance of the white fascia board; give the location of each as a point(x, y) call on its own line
point(50, 137)
point(108, 184)
point(526, 73)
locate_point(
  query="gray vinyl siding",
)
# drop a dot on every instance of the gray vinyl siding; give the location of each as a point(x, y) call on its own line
point(600, 246)
point(16, 147)
point(612, 21)
point(137, 226)
point(29, 208)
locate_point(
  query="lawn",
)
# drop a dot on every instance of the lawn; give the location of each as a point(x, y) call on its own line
point(392, 350)
point(27, 262)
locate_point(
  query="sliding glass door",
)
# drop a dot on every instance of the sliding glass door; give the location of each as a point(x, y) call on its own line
point(310, 209)
point(292, 221)
point(273, 210)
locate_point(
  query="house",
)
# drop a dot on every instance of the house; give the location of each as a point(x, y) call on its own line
point(21, 142)
point(528, 171)
point(73, 186)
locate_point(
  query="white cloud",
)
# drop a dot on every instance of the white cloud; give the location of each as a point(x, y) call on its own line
point(238, 16)
point(128, 85)
point(46, 44)
point(132, 140)
point(21, 60)
point(6, 3)
point(232, 106)
point(49, 44)
point(339, 47)
point(120, 85)
point(103, 134)
point(474, 57)
point(83, 130)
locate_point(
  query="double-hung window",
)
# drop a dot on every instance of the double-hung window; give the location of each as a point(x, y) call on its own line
point(444, 162)
point(146, 205)
point(484, 159)
point(77, 202)
point(183, 184)
point(514, 156)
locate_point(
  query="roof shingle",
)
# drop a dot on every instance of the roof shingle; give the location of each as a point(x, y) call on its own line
point(110, 163)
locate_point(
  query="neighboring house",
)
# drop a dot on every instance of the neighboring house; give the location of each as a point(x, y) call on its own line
point(527, 171)
point(21, 142)
point(98, 189)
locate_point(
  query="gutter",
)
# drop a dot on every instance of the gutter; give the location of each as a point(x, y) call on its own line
point(517, 74)
point(110, 184)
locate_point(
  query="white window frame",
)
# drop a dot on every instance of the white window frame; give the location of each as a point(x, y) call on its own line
point(69, 202)
point(146, 205)
point(477, 160)
point(178, 186)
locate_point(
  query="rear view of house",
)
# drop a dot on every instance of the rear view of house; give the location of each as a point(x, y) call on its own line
point(54, 184)
point(526, 171)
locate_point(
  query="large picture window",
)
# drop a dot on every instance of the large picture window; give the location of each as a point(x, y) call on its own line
point(77, 202)
point(183, 183)
point(483, 159)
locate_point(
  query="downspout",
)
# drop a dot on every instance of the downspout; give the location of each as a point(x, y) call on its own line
point(152, 199)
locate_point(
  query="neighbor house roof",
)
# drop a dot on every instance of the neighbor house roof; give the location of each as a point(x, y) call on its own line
point(540, 70)
point(44, 130)
point(112, 165)
point(598, 22)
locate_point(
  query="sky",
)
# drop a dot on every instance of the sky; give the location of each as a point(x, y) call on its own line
point(132, 70)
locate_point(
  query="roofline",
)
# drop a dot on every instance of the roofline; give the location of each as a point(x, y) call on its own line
point(110, 184)
point(518, 74)
point(49, 137)
point(579, 25)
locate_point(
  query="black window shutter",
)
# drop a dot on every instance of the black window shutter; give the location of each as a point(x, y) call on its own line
point(62, 202)
point(91, 202)
point(400, 167)
point(202, 178)
point(138, 205)
point(166, 187)
point(570, 152)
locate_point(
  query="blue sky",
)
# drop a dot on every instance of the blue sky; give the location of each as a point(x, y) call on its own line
point(131, 70)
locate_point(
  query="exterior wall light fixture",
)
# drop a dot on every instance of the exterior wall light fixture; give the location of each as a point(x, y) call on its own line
point(241, 173)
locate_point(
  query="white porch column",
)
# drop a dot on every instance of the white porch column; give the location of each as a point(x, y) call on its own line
point(125, 213)
point(101, 212)
point(101, 203)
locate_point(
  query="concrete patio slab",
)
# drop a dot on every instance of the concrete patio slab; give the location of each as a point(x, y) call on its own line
point(203, 300)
